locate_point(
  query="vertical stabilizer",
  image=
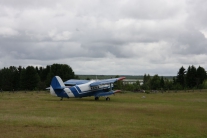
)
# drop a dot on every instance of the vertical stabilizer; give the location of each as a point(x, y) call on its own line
point(57, 83)
point(57, 87)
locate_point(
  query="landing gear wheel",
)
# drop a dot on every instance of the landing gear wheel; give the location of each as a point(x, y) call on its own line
point(96, 98)
point(61, 99)
point(107, 99)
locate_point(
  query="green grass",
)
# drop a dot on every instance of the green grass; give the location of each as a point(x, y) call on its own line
point(171, 115)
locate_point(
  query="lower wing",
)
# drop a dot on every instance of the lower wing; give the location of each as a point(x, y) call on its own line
point(106, 93)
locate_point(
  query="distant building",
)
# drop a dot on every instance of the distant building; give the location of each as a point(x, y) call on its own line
point(132, 81)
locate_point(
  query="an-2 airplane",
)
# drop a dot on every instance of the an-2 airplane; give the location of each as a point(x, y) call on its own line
point(83, 88)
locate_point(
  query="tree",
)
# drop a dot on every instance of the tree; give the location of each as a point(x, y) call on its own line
point(29, 78)
point(44, 73)
point(204, 84)
point(180, 79)
point(168, 84)
point(191, 77)
point(155, 82)
point(177, 86)
point(6, 79)
point(64, 71)
point(23, 79)
point(146, 82)
point(16, 77)
point(0, 80)
point(162, 83)
point(88, 78)
point(146, 79)
point(174, 81)
point(200, 75)
point(117, 84)
point(129, 87)
point(9, 78)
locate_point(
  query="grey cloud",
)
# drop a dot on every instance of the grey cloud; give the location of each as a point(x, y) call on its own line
point(143, 35)
point(190, 42)
point(151, 10)
point(197, 13)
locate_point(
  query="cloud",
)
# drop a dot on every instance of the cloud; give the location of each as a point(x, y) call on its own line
point(62, 36)
point(7, 32)
point(104, 37)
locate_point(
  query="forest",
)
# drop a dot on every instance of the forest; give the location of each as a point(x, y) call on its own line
point(33, 78)
point(190, 79)
point(38, 78)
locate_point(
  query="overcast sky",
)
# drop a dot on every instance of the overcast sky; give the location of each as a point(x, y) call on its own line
point(105, 37)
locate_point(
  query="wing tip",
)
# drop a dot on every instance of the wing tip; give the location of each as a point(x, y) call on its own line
point(117, 91)
point(121, 78)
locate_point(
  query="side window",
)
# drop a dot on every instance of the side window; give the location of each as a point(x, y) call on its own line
point(95, 88)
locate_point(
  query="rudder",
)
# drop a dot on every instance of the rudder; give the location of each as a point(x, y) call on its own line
point(57, 83)
point(57, 87)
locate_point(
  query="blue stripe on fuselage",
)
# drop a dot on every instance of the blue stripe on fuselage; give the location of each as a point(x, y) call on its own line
point(74, 91)
point(79, 90)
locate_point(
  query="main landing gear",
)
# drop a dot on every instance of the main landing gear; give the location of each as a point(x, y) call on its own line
point(96, 98)
point(107, 99)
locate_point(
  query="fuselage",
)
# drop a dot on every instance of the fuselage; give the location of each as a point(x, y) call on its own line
point(82, 90)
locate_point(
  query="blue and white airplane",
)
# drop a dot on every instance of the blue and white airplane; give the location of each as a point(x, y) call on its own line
point(83, 88)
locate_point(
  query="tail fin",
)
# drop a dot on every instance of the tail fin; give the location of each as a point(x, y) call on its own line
point(57, 87)
point(57, 83)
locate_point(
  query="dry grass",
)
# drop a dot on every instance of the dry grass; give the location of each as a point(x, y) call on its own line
point(173, 115)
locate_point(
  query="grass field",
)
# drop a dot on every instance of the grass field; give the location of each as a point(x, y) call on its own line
point(168, 115)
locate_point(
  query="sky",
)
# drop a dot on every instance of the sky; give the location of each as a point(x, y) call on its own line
point(105, 37)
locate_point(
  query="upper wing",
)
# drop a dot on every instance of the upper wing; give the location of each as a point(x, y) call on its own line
point(75, 82)
point(106, 81)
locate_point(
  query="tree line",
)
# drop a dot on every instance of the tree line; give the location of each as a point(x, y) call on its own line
point(39, 78)
point(33, 78)
point(191, 78)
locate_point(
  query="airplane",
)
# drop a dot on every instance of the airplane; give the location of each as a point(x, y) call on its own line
point(83, 88)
